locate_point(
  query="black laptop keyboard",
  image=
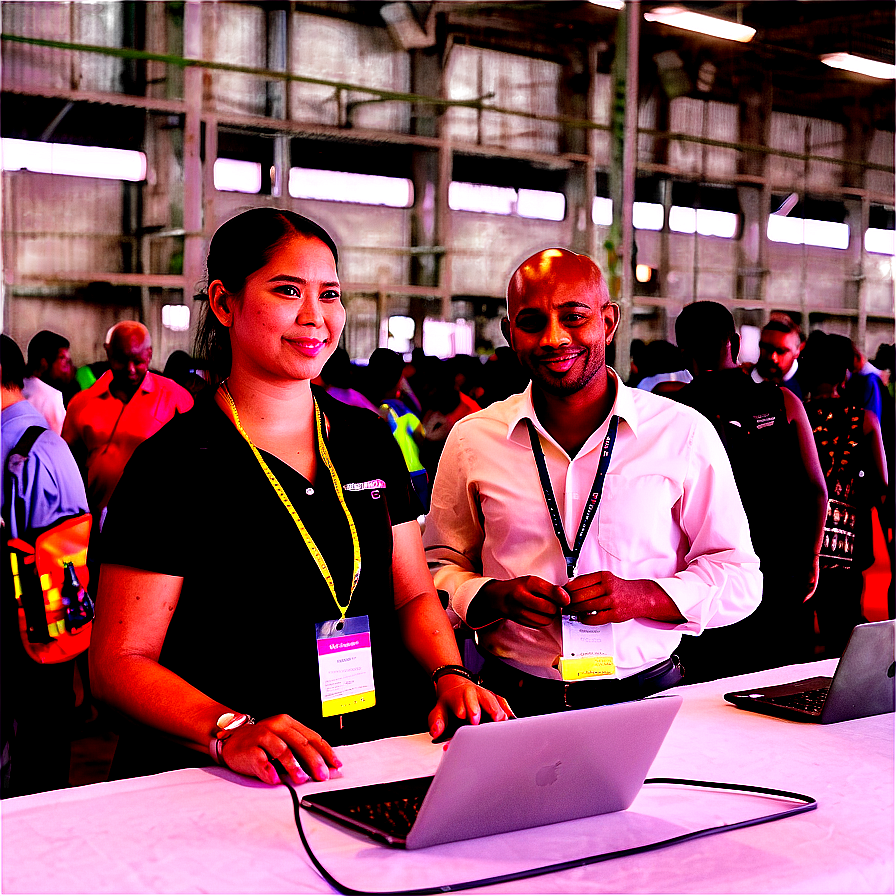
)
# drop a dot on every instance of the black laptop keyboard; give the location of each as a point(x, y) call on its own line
point(394, 816)
point(808, 701)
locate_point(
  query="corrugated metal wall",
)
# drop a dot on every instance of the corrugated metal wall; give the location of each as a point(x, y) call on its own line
point(58, 228)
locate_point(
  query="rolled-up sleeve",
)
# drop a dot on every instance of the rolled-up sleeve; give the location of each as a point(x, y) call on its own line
point(454, 532)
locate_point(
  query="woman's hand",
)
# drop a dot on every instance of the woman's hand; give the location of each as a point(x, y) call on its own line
point(303, 753)
point(458, 697)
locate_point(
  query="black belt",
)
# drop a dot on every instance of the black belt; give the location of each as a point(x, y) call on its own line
point(542, 695)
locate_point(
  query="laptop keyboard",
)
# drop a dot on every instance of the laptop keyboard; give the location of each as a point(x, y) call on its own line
point(394, 816)
point(808, 701)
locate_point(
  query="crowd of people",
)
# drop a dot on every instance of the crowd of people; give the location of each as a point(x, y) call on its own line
point(263, 590)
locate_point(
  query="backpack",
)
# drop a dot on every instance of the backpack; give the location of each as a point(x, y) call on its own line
point(49, 577)
point(751, 421)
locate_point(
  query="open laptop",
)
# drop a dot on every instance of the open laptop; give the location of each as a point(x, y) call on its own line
point(513, 775)
point(863, 683)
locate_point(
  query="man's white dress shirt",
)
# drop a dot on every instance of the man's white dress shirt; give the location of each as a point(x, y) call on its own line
point(757, 378)
point(670, 513)
point(47, 400)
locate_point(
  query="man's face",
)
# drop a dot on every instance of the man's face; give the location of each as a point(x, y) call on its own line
point(559, 324)
point(129, 358)
point(777, 352)
point(61, 370)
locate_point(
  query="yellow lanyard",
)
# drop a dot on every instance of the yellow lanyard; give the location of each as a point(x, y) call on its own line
point(281, 494)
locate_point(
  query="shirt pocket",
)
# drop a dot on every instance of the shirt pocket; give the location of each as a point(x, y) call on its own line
point(638, 518)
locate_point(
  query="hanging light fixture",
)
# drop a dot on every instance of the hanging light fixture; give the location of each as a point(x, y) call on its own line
point(679, 17)
point(861, 65)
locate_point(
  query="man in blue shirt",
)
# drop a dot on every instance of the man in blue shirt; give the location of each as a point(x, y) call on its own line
point(36, 701)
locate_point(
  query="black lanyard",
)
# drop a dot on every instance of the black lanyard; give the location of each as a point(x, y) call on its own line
point(572, 556)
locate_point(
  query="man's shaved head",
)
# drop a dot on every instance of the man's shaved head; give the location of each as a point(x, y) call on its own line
point(130, 332)
point(550, 267)
point(129, 349)
point(560, 320)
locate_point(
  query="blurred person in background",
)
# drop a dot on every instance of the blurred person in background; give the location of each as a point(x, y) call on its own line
point(49, 370)
point(851, 451)
point(37, 700)
point(124, 407)
point(769, 442)
point(780, 344)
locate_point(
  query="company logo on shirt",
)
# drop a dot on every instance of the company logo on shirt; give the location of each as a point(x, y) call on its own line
point(371, 485)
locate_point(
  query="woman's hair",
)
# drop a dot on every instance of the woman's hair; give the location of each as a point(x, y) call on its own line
point(240, 247)
point(831, 357)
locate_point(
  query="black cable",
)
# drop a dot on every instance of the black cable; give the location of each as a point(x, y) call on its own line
point(807, 804)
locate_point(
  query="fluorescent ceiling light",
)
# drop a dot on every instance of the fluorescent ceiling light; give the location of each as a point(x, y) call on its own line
point(610, 4)
point(677, 17)
point(861, 65)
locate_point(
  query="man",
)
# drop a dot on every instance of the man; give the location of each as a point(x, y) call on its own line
point(770, 444)
point(667, 551)
point(49, 370)
point(780, 344)
point(383, 386)
point(124, 407)
point(50, 358)
point(37, 700)
point(865, 387)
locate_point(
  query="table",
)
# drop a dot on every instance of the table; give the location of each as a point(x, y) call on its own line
point(210, 830)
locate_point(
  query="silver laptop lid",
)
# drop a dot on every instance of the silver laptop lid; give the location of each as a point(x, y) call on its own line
point(864, 683)
point(541, 770)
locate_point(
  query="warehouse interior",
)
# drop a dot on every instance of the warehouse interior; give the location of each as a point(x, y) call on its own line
point(441, 143)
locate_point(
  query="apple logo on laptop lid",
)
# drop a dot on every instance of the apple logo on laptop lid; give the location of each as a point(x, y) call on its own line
point(547, 774)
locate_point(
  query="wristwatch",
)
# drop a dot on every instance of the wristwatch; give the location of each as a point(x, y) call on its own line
point(227, 723)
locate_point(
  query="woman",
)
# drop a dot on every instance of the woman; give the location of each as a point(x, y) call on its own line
point(265, 529)
point(851, 451)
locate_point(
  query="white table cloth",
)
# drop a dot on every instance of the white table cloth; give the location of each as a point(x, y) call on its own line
point(212, 831)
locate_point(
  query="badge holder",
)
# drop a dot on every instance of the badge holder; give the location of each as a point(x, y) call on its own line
point(589, 651)
point(345, 663)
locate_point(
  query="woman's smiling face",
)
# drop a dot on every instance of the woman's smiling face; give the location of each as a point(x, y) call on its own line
point(287, 319)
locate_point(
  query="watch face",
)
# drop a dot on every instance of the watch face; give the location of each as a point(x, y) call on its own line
point(226, 720)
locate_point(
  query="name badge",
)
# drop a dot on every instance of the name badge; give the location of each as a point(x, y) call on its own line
point(589, 651)
point(345, 665)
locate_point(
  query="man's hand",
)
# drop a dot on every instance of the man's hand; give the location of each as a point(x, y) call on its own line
point(602, 597)
point(528, 600)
